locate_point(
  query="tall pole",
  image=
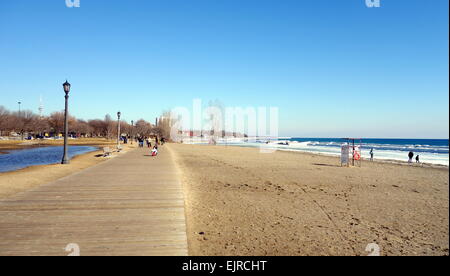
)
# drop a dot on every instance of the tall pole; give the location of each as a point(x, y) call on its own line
point(118, 130)
point(132, 131)
point(20, 118)
point(65, 159)
point(66, 86)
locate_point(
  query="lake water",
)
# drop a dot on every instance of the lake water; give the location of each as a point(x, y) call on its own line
point(431, 151)
point(19, 159)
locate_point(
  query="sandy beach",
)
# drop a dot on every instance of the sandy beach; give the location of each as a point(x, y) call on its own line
point(239, 201)
point(242, 202)
point(22, 180)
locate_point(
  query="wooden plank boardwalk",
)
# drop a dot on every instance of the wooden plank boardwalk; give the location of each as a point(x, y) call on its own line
point(130, 205)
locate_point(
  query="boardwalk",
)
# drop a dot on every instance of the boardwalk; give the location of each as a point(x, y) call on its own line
point(130, 205)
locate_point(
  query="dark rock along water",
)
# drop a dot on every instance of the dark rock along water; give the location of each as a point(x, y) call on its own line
point(19, 159)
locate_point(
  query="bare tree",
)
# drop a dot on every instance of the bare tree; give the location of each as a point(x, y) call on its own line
point(81, 128)
point(32, 123)
point(28, 119)
point(40, 125)
point(56, 122)
point(4, 119)
point(98, 128)
point(165, 124)
point(143, 128)
point(109, 126)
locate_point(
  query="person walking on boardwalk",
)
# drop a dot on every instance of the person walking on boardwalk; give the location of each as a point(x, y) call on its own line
point(371, 154)
point(410, 155)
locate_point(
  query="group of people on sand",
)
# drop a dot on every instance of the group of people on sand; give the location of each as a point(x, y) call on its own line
point(148, 142)
point(410, 156)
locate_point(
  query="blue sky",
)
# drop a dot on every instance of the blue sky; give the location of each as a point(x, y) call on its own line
point(334, 68)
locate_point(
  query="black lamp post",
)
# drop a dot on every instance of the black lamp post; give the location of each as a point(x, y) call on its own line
point(20, 117)
point(118, 130)
point(66, 87)
point(132, 131)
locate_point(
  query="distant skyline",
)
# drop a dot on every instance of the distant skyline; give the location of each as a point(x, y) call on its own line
point(333, 68)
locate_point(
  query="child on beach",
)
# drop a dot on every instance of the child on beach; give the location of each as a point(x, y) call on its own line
point(371, 154)
point(154, 151)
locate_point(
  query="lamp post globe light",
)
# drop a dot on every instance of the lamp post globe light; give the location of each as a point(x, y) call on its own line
point(66, 86)
point(118, 129)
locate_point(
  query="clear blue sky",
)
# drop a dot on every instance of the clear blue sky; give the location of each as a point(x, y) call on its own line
point(334, 68)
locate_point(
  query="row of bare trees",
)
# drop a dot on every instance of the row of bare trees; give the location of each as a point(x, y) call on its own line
point(33, 124)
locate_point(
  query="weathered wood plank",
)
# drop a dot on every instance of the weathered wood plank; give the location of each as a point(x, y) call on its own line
point(129, 205)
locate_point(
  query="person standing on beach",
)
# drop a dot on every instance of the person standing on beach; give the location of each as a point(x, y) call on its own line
point(410, 155)
point(371, 154)
point(417, 159)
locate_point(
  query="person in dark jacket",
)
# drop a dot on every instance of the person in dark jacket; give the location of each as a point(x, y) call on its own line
point(410, 155)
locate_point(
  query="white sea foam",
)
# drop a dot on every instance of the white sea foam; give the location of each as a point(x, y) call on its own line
point(428, 154)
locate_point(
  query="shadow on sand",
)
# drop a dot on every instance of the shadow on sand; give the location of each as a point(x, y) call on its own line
point(326, 165)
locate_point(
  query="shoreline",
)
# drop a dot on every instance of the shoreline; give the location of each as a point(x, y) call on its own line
point(24, 179)
point(241, 202)
point(97, 150)
point(7, 145)
point(377, 160)
point(382, 161)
